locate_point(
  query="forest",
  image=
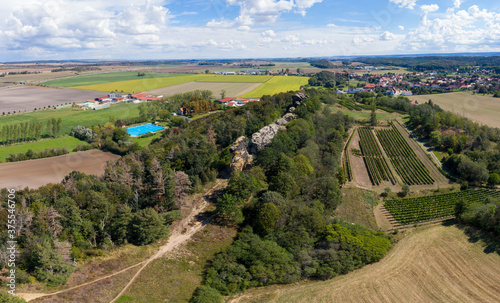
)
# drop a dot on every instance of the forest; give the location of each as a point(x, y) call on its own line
point(284, 209)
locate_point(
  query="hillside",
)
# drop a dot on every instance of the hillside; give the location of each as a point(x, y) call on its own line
point(435, 264)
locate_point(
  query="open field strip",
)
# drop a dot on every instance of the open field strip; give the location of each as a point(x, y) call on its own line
point(35, 173)
point(109, 77)
point(482, 109)
point(68, 142)
point(71, 118)
point(434, 264)
point(276, 85)
point(412, 210)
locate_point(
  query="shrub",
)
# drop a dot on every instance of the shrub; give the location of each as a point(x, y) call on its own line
point(206, 294)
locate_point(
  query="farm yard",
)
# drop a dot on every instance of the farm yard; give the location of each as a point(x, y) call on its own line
point(232, 89)
point(26, 98)
point(35, 173)
point(481, 109)
point(433, 264)
point(413, 210)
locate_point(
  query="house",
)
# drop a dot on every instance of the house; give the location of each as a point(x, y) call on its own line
point(224, 100)
point(406, 93)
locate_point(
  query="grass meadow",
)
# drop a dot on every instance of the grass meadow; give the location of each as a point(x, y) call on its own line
point(71, 117)
point(68, 142)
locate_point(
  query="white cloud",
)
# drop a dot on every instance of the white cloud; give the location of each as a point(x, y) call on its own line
point(387, 36)
point(401, 27)
point(429, 8)
point(220, 24)
point(268, 33)
point(470, 29)
point(331, 25)
point(268, 11)
point(405, 3)
point(303, 5)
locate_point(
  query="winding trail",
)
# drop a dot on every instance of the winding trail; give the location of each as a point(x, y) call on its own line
point(186, 228)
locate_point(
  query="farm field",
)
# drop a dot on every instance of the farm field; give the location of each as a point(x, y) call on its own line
point(375, 161)
point(26, 98)
point(35, 173)
point(156, 83)
point(100, 78)
point(403, 158)
point(44, 76)
point(277, 84)
point(412, 210)
point(232, 89)
point(481, 109)
point(69, 142)
point(71, 118)
point(434, 264)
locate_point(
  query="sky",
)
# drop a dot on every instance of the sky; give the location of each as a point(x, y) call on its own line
point(216, 29)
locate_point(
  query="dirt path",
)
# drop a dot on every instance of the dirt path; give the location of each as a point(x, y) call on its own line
point(383, 218)
point(181, 233)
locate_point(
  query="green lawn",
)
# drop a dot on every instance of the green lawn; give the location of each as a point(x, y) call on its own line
point(92, 79)
point(277, 84)
point(68, 142)
point(364, 116)
point(145, 141)
point(71, 117)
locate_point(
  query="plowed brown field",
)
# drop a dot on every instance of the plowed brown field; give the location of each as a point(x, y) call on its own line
point(35, 173)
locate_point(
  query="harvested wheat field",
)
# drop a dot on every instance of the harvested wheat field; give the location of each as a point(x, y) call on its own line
point(35, 173)
point(481, 109)
point(434, 264)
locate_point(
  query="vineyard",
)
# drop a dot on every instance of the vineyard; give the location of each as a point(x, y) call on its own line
point(412, 210)
point(403, 158)
point(347, 163)
point(350, 105)
point(377, 167)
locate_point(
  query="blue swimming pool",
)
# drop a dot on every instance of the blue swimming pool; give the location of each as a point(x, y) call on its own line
point(143, 129)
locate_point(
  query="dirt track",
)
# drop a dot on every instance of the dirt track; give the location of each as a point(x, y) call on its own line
point(35, 173)
point(435, 264)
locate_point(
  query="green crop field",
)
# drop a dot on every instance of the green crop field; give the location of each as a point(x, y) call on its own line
point(68, 142)
point(71, 118)
point(142, 84)
point(235, 78)
point(93, 79)
point(411, 210)
point(277, 84)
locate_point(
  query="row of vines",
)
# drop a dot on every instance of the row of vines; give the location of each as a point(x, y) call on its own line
point(375, 162)
point(412, 210)
point(403, 158)
point(347, 162)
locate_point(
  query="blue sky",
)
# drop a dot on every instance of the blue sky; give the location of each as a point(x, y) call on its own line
point(167, 29)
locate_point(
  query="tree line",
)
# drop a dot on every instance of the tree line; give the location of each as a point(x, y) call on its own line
point(27, 131)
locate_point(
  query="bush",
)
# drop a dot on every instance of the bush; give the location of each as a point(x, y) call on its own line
point(7, 298)
point(206, 294)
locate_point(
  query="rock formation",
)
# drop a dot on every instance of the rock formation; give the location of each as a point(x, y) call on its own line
point(262, 138)
point(241, 156)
